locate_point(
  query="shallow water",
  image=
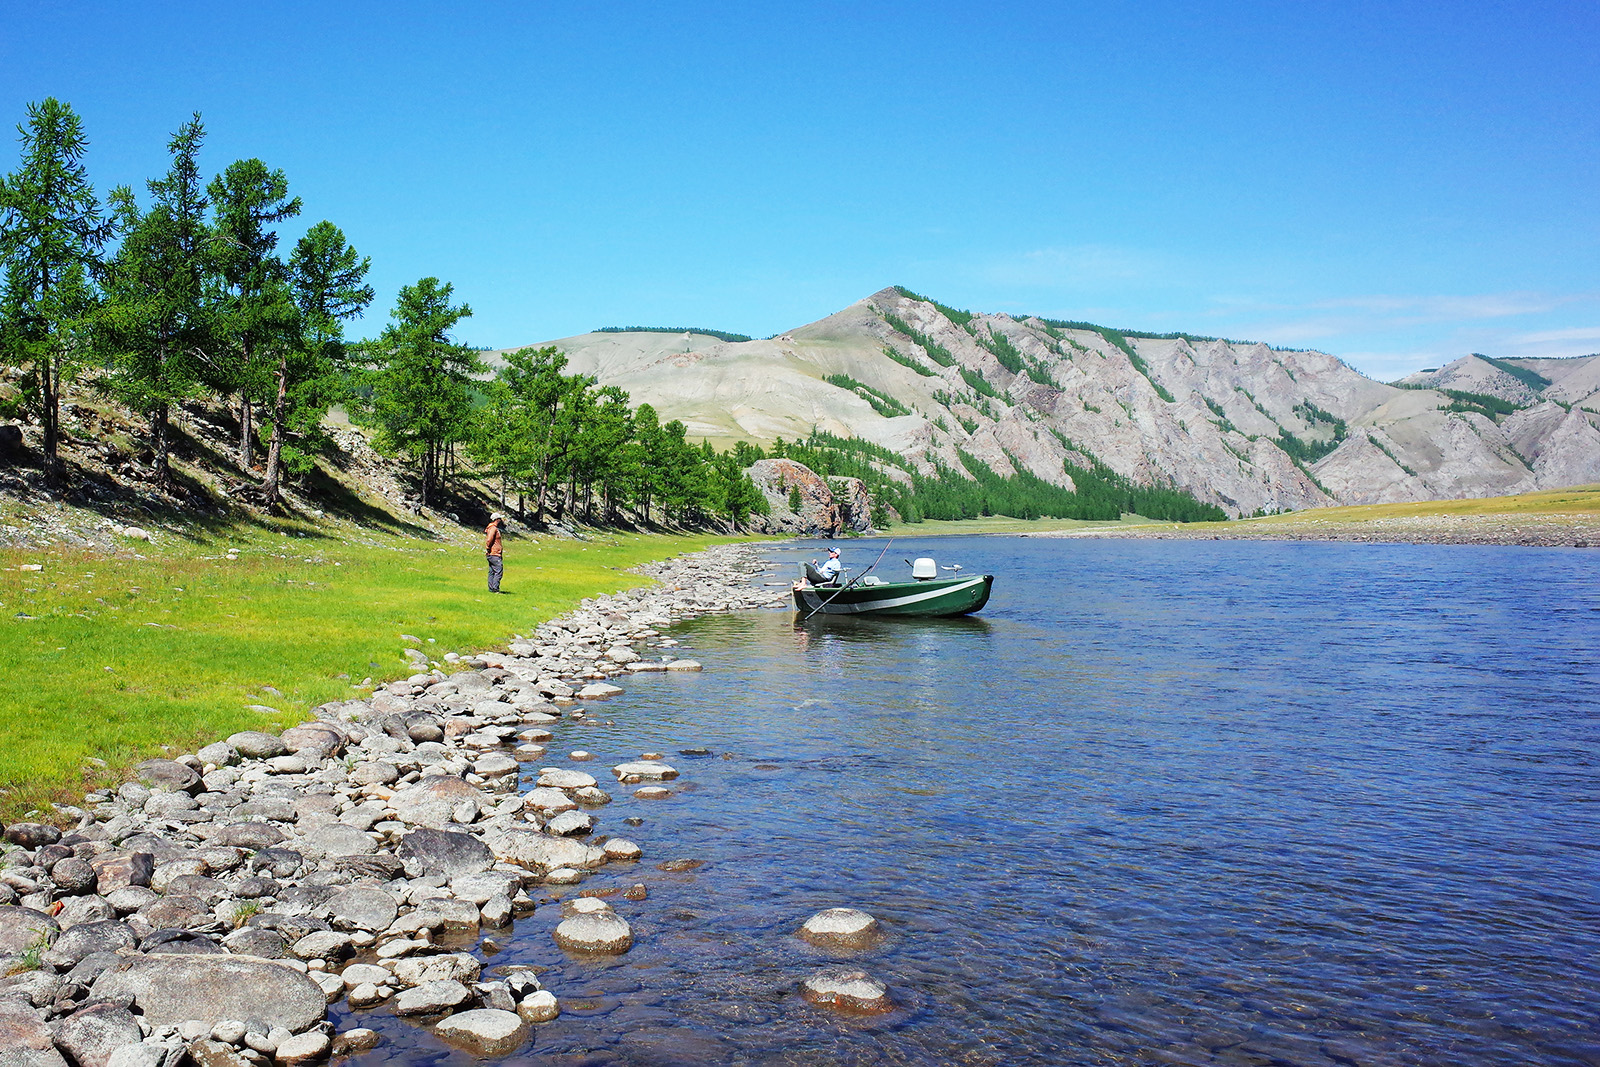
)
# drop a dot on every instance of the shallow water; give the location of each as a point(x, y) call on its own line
point(1162, 802)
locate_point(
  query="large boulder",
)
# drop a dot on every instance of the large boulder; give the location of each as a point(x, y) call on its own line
point(169, 989)
point(822, 512)
point(434, 800)
point(118, 870)
point(169, 775)
point(362, 908)
point(485, 1031)
point(22, 929)
point(542, 853)
point(25, 1040)
point(92, 1036)
point(426, 851)
point(83, 940)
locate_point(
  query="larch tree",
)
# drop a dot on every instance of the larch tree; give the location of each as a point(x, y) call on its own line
point(421, 398)
point(156, 322)
point(51, 234)
point(256, 317)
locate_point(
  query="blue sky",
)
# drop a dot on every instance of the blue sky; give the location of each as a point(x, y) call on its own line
point(1397, 183)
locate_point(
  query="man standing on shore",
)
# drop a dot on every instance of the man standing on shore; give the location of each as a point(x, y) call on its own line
point(493, 548)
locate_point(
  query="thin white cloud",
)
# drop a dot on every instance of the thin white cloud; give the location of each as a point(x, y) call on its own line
point(1589, 334)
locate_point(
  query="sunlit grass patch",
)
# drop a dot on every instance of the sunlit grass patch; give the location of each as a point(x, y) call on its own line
point(110, 659)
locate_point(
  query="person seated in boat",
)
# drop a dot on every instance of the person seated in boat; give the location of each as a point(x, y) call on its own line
point(830, 572)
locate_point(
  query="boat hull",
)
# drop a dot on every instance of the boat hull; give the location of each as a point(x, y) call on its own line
point(940, 597)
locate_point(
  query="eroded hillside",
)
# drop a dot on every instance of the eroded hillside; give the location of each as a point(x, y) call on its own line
point(1246, 426)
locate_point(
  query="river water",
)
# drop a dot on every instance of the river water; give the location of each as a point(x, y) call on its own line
point(1161, 802)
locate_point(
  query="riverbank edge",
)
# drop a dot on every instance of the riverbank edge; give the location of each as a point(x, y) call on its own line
point(1528, 530)
point(270, 900)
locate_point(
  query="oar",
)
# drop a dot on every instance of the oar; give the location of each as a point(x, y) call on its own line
point(848, 584)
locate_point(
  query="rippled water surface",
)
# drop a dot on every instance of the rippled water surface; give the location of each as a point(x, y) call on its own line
point(1162, 802)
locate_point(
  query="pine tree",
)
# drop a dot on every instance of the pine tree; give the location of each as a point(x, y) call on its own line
point(51, 233)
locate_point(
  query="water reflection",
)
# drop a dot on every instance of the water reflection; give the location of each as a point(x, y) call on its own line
point(1187, 803)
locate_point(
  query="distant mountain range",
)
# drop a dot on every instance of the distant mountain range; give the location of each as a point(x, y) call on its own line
point(1245, 426)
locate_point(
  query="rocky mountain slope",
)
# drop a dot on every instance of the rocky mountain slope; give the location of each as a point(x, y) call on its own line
point(1244, 426)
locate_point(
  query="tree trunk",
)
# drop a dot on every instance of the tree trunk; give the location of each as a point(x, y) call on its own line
point(269, 486)
point(244, 433)
point(158, 444)
point(50, 410)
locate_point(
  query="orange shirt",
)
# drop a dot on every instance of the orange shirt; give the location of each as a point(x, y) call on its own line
point(491, 539)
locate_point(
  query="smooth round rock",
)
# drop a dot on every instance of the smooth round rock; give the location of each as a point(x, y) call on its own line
point(844, 990)
point(841, 928)
point(620, 848)
point(644, 771)
point(561, 778)
point(303, 1048)
point(485, 1031)
point(170, 989)
point(652, 792)
point(253, 744)
point(569, 823)
point(539, 1007)
point(432, 998)
point(598, 933)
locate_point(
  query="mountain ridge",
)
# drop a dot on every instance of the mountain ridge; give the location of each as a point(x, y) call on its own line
point(1246, 426)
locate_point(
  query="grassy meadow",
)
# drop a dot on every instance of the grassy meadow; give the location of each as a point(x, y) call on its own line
point(116, 659)
point(1577, 501)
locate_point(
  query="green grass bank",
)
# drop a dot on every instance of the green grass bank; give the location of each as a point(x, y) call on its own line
point(105, 661)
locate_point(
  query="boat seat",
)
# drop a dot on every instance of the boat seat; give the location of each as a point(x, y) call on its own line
point(815, 577)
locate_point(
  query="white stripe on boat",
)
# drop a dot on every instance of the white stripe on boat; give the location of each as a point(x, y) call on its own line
point(902, 601)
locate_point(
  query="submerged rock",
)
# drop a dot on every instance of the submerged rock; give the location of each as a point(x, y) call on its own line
point(846, 990)
point(841, 928)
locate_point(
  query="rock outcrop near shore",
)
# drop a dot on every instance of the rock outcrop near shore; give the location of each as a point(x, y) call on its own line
point(215, 904)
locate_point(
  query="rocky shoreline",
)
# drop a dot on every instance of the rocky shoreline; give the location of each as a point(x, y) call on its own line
point(213, 907)
point(1537, 530)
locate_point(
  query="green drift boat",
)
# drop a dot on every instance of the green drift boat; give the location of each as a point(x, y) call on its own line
point(927, 595)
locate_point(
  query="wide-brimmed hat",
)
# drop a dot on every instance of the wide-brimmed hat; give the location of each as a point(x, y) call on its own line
point(497, 517)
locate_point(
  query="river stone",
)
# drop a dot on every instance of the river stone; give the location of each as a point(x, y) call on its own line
point(278, 809)
point(360, 1039)
point(427, 851)
point(22, 928)
point(539, 1006)
point(644, 771)
point(130, 898)
point(847, 990)
point(362, 908)
point(598, 691)
point(479, 888)
point(178, 912)
point(841, 928)
point(257, 941)
point(253, 744)
point(433, 801)
point(375, 772)
point(116, 870)
point(570, 823)
point(652, 792)
point(78, 942)
point(431, 998)
point(561, 778)
point(31, 835)
point(601, 933)
point(309, 1047)
point(543, 852)
point(91, 1035)
point(549, 801)
point(317, 740)
point(446, 967)
point(454, 914)
point(85, 909)
point(211, 890)
point(622, 654)
point(364, 974)
point(337, 839)
point(219, 753)
point(684, 665)
point(250, 835)
point(73, 876)
point(168, 774)
point(485, 1031)
point(620, 848)
point(324, 945)
point(170, 989)
point(25, 1040)
point(165, 873)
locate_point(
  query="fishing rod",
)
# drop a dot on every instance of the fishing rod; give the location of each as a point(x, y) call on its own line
point(848, 584)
